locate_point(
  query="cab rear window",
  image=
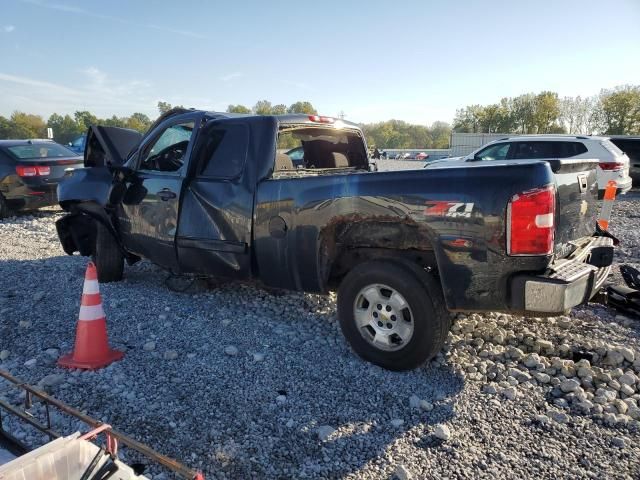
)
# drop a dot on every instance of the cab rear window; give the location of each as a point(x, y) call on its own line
point(28, 152)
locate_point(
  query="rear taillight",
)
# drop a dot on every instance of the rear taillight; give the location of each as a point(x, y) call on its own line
point(321, 119)
point(611, 166)
point(36, 171)
point(531, 222)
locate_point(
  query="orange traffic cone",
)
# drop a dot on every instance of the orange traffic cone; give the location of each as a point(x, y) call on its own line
point(92, 349)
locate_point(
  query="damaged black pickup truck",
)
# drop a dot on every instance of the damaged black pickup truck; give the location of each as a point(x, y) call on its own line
point(214, 194)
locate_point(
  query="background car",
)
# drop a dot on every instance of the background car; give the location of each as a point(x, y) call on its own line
point(630, 146)
point(613, 162)
point(297, 156)
point(30, 171)
point(422, 156)
point(78, 144)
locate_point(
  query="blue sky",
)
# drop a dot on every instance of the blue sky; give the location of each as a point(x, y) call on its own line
point(415, 60)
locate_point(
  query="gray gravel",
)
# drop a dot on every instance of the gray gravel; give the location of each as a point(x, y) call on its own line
point(242, 383)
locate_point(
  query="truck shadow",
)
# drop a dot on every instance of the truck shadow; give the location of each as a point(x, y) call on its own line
point(247, 418)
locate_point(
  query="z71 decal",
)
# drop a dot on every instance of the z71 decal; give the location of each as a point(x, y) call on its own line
point(449, 209)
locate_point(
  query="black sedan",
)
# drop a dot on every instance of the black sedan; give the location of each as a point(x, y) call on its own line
point(30, 171)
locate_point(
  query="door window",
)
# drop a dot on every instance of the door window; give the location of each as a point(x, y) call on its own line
point(570, 149)
point(494, 152)
point(532, 150)
point(224, 151)
point(167, 153)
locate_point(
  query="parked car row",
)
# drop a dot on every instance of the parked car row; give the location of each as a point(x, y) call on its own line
point(613, 163)
point(30, 171)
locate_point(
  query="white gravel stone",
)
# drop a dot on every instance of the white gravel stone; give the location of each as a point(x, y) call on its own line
point(618, 442)
point(324, 432)
point(627, 379)
point(531, 360)
point(281, 399)
point(231, 351)
point(31, 363)
point(170, 355)
point(414, 401)
point(397, 422)
point(4, 354)
point(510, 393)
point(543, 419)
point(558, 417)
point(542, 377)
point(569, 385)
point(258, 357)
point(442, 432)
point(51, 380)
point(614, 358)
point(149, 346)
point(401, 473)
point(628, 354)
point(426, 405)
point(544, 345)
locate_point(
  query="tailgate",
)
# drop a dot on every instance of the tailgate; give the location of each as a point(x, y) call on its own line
point(577, 201)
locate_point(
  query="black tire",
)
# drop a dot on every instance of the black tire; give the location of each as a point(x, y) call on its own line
point(422, 293)
point(5, 211)
point(107, 256)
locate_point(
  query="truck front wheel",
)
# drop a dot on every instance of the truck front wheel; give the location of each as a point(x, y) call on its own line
point(107, 256)
point(393, 315)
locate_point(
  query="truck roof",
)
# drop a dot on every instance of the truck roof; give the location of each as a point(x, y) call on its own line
point(285, 119)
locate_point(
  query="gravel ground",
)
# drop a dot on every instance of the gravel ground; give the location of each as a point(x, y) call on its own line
point(242, 383)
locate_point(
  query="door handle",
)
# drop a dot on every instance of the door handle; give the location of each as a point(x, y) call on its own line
point(166, 194)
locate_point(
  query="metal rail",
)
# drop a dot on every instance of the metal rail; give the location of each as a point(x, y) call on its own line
point(148, 452)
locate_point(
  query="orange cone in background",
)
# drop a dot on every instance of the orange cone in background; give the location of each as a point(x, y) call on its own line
point(607, 204)
point(92, 349)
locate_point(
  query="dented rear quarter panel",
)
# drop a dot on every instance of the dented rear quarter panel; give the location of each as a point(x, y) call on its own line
point(458, 213)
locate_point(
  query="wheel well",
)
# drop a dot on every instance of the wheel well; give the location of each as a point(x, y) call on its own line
point(348, 258)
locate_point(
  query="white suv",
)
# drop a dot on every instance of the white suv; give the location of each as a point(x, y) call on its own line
point(613, 163)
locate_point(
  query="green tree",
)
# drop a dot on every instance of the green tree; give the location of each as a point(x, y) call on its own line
point(523, 113)
point(164, 107)
point(5, 127)
point(114, 121)
point(23, 125)
point(302, 107)
point(238, 109)
point(440, 133)
point(65, 129)
point(85, 119)
point(279, 109)
point(546, 113)
point(139, 122)
point(620, 110)
point(262, 107)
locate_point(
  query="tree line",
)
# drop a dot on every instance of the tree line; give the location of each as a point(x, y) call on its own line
point(613, 112)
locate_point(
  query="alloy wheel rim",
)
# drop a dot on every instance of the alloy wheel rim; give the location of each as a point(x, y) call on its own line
point(383, 317)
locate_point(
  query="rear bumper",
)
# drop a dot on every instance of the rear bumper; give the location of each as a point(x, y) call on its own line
point(624, 185)
point(567, 283)
point(35, 199)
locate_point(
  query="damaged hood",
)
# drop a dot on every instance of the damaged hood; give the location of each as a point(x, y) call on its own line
point(109, 145)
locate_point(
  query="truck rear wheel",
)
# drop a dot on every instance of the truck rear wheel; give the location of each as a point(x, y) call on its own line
point(393, 315)
point(107, 256)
